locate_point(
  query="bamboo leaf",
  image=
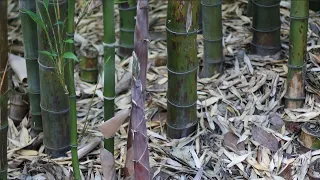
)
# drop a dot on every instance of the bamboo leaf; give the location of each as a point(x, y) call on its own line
point(35, 18)
point(46, 4)
point(70, 55)
point(51, 55)
point(69, 41)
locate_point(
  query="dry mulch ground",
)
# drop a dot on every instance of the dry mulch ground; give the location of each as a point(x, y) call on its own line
point(243, 131)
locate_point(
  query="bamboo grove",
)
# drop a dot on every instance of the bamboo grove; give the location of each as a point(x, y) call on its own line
point(48, 29)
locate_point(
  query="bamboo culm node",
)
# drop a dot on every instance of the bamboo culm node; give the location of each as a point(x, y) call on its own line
point(299, 13)
point(182, 67)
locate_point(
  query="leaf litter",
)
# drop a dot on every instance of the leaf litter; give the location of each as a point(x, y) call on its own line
point(243, 130)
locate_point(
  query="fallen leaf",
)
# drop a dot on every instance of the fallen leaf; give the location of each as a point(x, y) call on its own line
point(265, 139)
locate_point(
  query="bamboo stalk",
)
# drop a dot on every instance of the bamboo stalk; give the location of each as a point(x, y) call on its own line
point(72, 93)
point(299, 14)
point(266, 27)
point(182, 67)
point(137, 160)
point(212, 37)
point(4, 89)
point(109, 66)
point(249, 8)
point(30, 41)
point(127, 12)
point(54, 100)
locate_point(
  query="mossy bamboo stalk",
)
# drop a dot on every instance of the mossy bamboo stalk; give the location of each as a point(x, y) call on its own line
point(54, 100)
point(299, 15)
point(4, 89)
point(72, 93)
point(182, 27)
point(109, 66)
point(212, 37)
point(30, 42)
point(127, 12)
point(266, 27)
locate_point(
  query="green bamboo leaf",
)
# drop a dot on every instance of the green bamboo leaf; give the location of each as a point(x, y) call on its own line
point(46, 4)
point(48, 53)
point(70, 55)
point(69, 41)
point(35, 18)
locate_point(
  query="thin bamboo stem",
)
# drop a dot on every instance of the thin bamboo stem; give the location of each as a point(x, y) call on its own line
point(109, 66)
point(54, 99)
point(127, 12)
point(266, 27)
point(212, 37)
point(30, 42)
point(72, 93)
point(299, 14)
point(182, 65)
point(3, 89)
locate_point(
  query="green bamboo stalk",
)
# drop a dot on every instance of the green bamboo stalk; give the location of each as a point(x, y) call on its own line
point(249, 8)
point(212, 37)
point(182, 65)
point(72, 93)
point(4, 89)
point(54, 100)
point(30, 41)
point(109, 66)
point(89, 65)
point(315, 5)
point(127, 12)
point(299, 14)
point(266, 27)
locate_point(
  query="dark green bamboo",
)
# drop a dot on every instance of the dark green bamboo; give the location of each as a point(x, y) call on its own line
point(72, 93)
point(54, 100)
point(315, 5)
point(212, 37)
point(127, 12)
point(266, 27)
point(182, 27)
point(299, 14)
point(109, 65)
point(89, 66)
point(4, 89)
point(249, 8)
point(30, 42)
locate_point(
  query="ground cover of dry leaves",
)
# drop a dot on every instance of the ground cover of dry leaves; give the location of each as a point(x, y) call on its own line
point(241, 134)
